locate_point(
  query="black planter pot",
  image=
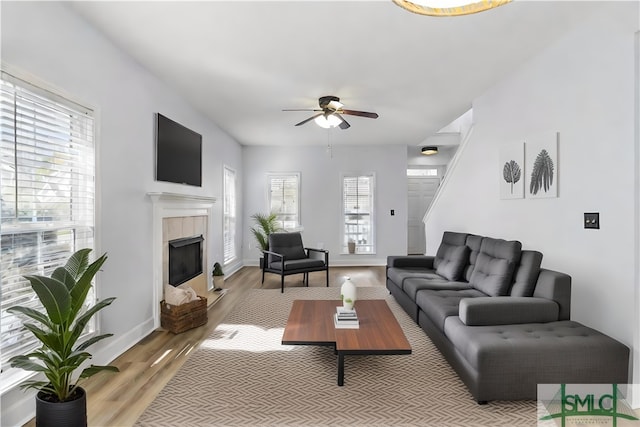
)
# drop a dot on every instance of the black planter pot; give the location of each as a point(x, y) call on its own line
point(62, 414)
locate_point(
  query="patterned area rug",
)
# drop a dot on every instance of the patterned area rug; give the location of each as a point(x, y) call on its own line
point(242, 376)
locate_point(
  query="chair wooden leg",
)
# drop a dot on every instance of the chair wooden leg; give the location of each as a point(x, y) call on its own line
point(327, 277)
point(305, 279)
point(282, 284)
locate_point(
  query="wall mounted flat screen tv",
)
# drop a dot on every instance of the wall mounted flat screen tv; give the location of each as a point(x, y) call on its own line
point(178, 153)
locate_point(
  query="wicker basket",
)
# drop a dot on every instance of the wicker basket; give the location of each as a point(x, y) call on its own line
point(180, 318)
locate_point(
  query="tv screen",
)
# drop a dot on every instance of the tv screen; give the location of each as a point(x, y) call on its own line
point(178, 153)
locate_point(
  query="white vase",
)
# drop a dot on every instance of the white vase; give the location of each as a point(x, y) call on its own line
point(348, 293)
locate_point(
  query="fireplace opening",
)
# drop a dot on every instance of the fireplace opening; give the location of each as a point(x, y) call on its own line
point(185, 259)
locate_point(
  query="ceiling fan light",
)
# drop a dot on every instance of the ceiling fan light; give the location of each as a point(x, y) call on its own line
point(335, 105)
point(329, 121)
point(429, 150)
point(449, 7)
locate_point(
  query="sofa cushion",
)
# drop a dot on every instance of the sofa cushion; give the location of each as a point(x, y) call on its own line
point(473, 243)
point(438, 305)
point(495, 264)
point(526, 274)
point(455, 259)
point(399, 275)
point(296, 264)
point(413, 285)
point(287, 244)
point(450, 240)
point(507, 310)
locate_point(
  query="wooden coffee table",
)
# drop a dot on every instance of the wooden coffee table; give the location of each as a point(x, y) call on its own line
point(311, 323)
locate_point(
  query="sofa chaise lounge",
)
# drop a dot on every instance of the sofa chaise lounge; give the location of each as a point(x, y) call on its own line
point(501, 321)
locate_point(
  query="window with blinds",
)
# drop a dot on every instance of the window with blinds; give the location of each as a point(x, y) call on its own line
point(358, 213)
point(229, 215)
point(284, 199)
point(47, 195)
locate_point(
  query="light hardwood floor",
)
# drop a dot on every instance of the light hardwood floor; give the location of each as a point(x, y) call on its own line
point(119, 399)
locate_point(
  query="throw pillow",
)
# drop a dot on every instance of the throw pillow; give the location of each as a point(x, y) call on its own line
point(452, 265)
point(449, 239)
point(495, 264)
point(492, 275)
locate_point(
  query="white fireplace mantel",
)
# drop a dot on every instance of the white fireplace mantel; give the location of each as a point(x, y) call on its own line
point(179, 198)
point(171, 205)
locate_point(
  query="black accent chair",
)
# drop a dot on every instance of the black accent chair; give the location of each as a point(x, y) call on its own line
point(287, 255)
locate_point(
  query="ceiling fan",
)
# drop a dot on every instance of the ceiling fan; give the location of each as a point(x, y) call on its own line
point(330, 113)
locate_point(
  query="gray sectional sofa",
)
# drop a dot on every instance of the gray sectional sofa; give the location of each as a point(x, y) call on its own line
point(501, 321)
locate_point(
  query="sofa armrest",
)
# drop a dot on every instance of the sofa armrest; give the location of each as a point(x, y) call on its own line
point(484, 311)
point(321, 254)
point(555, 286)
point(403, 261)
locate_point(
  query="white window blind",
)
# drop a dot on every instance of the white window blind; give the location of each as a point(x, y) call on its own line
point(358, 213)
point(284, 199)
point(229, 226)
point(47, 195)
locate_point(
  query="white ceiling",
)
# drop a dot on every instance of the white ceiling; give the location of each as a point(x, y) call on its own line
point(241, 63)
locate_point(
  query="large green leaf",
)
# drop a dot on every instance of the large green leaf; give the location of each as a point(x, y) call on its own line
point(74, 361)
point(38, 385)
point(77, 263)
point(54, 296)
point(92, 341)
point(24, 362)
point(82, 321)
point(94, 369)
point(49, 339)
point(61, 274)
point(33, 314)
point(83, 284)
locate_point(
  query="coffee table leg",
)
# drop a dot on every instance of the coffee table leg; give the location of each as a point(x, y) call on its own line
point(340, 369)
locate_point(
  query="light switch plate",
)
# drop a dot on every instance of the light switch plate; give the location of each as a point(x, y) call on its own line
point(592, 220)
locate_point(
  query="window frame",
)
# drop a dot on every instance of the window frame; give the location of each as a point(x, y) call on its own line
point(232, 228)
point(372, 215)
point(271, 176)
point(38, 91)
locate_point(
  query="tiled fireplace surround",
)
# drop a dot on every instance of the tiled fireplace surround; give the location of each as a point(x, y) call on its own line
point(176, 216)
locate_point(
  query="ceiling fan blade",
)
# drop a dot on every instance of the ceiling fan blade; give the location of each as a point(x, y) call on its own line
point(343, 124)
point(360, 113)
point(309, 119)
point(302, 109)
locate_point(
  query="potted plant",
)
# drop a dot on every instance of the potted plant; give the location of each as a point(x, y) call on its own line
point(60, 401)
point(218, 277)
point(265, 225)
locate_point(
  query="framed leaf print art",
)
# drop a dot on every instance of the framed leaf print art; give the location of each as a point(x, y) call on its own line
point(541, 157)
point(511, 170)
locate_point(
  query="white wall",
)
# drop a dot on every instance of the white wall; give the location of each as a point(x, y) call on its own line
point(582, 87)
point(321, 194)
point(51, 43)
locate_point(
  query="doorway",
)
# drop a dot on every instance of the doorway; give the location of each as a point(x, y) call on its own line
point(420, 194)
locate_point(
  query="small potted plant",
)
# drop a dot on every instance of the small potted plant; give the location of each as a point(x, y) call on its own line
point(265, 225)
point(218, 277)
point(60, 401)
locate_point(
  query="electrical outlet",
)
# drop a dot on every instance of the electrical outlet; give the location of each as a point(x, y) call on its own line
point(592, 220)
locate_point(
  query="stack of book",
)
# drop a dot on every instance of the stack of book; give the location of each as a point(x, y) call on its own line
point(346, 319)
